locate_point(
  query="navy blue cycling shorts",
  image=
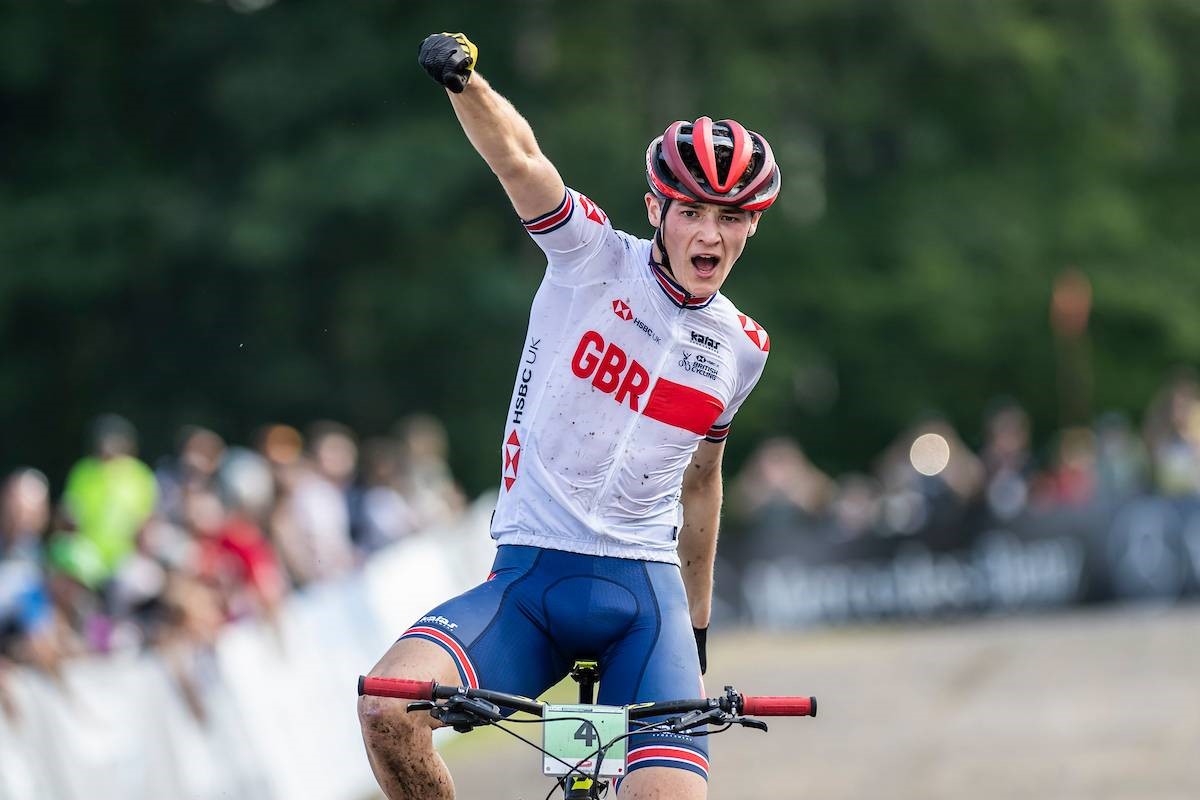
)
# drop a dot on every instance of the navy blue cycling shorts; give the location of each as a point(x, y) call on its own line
point(540, 610)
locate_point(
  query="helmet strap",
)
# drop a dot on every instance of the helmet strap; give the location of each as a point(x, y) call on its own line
point(658, 238)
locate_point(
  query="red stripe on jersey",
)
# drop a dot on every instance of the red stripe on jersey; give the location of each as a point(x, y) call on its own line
point(683, 407)
point(717, 432)
point(555, 217)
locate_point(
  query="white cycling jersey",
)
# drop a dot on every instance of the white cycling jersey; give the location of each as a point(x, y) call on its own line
point(622, 375)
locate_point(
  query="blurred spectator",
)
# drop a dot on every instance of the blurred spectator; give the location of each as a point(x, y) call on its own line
point(382, 515)
point(779, 481)
point(856, 505)
point(200, 454)
point(334, 452)
point(108, 497)
point(246, 484)
point(311, 524)
point(233, 557)
point(29, 631)
point(1172, 433)
point(427, 484)
point(192, 621)
point(782, 501)
point(1071, 479)
point(280, 445)
point(1122, 465)
point(1007, 460)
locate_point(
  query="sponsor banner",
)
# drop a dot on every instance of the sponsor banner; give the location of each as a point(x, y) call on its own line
point(808, 572)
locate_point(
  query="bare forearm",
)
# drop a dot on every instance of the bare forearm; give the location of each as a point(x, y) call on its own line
point(698, 547)
point(506, 142)
point(495, 128)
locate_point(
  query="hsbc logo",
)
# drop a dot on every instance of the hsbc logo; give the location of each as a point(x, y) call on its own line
point(622, 310)
point(512, 459)
point(756, 333)
point(592, 211)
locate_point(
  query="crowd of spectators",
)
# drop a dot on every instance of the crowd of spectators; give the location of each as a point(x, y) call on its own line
point(928, 482)
point(133, 556)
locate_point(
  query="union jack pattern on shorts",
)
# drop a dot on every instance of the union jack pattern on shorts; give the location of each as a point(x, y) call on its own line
point(466, 670)
point(666, 755)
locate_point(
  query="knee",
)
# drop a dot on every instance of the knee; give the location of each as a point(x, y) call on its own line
point(386, 723)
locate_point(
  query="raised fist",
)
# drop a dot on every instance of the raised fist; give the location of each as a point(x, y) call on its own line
point(449, 58)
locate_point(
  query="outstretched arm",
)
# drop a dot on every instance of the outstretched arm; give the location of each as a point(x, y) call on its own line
point(497, 131)
point(506, 142)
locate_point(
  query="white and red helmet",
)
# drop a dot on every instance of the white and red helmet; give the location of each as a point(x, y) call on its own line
point(713, 162)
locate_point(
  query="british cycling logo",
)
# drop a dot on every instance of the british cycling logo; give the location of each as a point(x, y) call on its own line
point(436, 620)
point(622, 310)
point(701, 366)
point(591, 210)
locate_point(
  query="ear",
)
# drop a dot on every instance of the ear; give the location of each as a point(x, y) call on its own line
point(755, 216)
point(653, 209)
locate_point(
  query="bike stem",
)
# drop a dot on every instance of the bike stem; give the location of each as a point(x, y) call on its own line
point(586, 673)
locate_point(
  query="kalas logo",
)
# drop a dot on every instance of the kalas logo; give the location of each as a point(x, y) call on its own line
point(705, 341)
point(622, 310)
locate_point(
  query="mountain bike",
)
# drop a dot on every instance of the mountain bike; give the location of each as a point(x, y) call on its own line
point(584, 744)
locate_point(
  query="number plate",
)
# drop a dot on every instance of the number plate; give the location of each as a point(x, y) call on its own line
point(566, 735)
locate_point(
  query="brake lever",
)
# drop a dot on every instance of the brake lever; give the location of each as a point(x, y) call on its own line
point(464, 714)
point(694, 719)
point(420, 705)
point(750, 722)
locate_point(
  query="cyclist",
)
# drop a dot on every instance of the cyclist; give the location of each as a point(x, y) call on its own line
point(632, 370)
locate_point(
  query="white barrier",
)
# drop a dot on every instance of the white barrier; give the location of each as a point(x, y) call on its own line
point(280, 717)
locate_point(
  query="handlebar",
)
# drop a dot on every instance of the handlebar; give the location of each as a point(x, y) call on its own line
point(749, 705)
point(432, 690)
point(779, 706)
point(396, 687)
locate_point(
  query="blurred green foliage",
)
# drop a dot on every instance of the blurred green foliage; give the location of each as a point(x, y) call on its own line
point(229, 218)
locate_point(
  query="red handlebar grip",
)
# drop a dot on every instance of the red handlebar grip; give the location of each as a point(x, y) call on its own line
point(395, 687)
point(779, 706)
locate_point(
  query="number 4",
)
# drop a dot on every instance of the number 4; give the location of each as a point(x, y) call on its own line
point(587, 733)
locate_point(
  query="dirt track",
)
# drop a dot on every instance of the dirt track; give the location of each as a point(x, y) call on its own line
point(1083, 706)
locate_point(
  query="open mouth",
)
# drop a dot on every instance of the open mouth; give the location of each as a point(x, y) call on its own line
point(705, 265)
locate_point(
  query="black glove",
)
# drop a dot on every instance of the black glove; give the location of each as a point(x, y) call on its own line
point(702, 647)
point(449, 58)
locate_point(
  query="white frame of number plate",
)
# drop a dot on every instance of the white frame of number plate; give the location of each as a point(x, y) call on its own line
point(559, 738)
